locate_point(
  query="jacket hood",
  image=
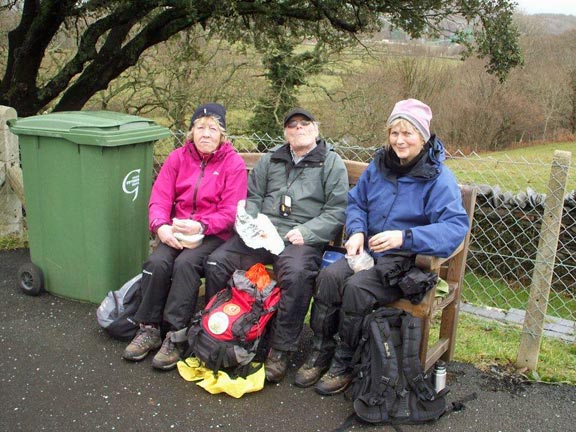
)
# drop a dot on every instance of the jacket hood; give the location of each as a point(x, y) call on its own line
point(428, 167)
point(316, 155)
point(436, 150)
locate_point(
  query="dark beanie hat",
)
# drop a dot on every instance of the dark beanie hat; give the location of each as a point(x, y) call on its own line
point(210, 109)
point(297, 111)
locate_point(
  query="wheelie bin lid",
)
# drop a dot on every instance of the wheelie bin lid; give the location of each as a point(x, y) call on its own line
point(101, 128)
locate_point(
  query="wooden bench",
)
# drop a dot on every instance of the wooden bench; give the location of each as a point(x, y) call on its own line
point(450, 269)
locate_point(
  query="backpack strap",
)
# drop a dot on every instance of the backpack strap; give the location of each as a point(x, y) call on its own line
point(384, 373)
point(412, 368)
point(218, 362)
point(243, 324)
point(458, 405)
point(365, 336)
point(245, 370)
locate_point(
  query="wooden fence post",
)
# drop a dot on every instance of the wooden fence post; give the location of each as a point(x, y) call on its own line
point(531, 337)
point(11, 189)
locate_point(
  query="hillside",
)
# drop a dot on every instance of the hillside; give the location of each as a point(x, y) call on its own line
point(554, 24)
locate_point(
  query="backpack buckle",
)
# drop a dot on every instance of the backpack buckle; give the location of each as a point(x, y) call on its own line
point(419, 378)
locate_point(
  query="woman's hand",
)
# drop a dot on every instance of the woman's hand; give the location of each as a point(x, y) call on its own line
point(186, 226)
point(386, 240)
point(166, 235)
point(355, 244)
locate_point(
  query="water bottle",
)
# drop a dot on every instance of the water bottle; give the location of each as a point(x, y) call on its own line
point(440, 376)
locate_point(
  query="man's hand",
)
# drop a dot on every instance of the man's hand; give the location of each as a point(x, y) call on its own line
point(385, 240)
point(166, 235)
point(294, 236)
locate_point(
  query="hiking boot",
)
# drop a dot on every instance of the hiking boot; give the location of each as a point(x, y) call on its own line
point(333, 383)
point(275, 365)
point(309, 373)
point(146, 340)
point(168, 356)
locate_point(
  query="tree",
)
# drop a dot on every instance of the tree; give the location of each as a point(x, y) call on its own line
point(113, 34)
point(171, 79)
point(285, 72)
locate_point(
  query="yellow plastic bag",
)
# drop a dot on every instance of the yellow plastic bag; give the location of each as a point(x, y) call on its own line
point(192, 369)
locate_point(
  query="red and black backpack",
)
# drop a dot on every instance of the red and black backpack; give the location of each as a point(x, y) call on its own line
point(228, 332)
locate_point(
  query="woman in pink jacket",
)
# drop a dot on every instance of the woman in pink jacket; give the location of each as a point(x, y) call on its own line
point(196, 193)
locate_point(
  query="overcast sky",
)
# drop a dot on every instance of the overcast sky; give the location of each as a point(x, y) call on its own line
point(567, 7)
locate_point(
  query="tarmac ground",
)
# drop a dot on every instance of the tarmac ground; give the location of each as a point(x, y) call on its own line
point(61, 372)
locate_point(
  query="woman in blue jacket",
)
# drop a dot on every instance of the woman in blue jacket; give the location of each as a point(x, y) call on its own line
point(405, 203)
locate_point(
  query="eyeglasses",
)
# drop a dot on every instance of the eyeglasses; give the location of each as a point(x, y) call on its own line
point(293, 123)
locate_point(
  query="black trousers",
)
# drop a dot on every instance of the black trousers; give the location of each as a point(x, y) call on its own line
point(296, 269)
point(171, 280)
point(343, 298)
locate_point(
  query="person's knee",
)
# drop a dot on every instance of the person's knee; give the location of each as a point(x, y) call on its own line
point(213, 268)
point(356, 300)
point(329, 286)
point(157, 262)
point(184, 263)
point(218, 261)
point(216, 274)
point(327, 293)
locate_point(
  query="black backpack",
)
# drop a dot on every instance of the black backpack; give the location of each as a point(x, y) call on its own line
point(390, 386)
point(115, 313)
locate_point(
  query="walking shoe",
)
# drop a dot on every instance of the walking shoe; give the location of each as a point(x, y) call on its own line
point(309, 373)
point(331, 383)
point(275, 365)
point(146, 340)
point(168, 356)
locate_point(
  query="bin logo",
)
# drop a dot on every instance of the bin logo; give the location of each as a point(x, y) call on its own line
point(131, 183)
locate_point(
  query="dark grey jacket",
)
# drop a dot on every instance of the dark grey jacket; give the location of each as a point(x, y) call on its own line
point(317, 185)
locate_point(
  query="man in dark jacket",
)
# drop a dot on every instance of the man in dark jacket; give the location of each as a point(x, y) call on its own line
point(301, 187)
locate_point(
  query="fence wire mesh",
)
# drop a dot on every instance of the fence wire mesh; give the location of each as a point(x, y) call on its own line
point(506, 231)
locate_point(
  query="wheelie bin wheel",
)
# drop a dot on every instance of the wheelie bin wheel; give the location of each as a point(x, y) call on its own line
point(30, 279)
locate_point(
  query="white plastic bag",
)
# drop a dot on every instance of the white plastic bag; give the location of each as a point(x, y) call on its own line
point(257, 232)
point(189, 241)
point(363, 261)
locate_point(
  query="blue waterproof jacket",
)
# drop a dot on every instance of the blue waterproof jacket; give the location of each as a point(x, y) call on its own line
point(425, 203)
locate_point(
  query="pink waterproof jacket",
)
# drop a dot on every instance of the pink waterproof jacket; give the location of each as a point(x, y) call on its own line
point(207, 191)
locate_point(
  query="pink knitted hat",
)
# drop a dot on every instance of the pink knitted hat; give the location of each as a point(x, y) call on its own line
point(416, 112)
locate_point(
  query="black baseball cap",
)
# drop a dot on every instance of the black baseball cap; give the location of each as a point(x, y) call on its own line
point(297, 111)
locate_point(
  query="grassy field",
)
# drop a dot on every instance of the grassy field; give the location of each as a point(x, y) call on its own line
point(513, 170)
point(482, 291)
point(488, 343)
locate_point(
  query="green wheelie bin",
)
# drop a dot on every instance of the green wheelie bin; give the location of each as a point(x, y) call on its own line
point(87, 179)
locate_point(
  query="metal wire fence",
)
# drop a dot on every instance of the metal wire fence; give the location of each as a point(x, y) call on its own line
point(506, 230)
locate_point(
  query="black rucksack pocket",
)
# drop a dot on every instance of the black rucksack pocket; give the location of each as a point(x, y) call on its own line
point(426, 410)
point(217, 354)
